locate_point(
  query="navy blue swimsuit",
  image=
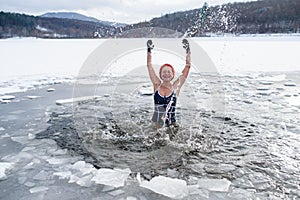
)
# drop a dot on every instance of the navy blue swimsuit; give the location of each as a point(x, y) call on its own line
point(161, 103)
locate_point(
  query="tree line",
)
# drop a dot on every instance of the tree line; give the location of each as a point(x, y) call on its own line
point(265, 16)
point(21, 25)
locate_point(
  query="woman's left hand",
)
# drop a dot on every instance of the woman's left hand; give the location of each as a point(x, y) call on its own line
point(186, 45)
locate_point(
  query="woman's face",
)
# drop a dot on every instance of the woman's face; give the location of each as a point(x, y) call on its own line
point(166, 74)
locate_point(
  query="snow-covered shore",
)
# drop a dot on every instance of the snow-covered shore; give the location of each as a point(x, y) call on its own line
point(27, 62)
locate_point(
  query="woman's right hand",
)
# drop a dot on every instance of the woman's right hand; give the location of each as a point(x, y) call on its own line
point(150, 45)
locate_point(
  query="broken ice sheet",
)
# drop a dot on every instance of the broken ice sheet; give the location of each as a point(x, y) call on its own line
point(38, 189)
point(58, 161)
point(170, 187)
point(219, 185)
point(63, 175)
point(3, 167)
point(111, 177)
point(85, 181)
point(83, 167)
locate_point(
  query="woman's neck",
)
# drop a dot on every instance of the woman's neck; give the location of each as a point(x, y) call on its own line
point(166, 83)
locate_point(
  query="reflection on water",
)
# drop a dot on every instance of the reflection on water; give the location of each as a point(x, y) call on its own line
point(253, 140)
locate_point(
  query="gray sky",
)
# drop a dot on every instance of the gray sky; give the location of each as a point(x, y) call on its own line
point(126, 11)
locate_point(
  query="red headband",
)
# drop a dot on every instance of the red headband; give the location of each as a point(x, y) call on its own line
point(167, 65)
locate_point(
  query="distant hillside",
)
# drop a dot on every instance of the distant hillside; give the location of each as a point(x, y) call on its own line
point(77, 16)
point(21, 25)
point(267, 16)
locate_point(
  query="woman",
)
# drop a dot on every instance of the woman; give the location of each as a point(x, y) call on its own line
point(166, 92)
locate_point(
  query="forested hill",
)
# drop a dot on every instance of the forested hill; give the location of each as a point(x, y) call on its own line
point(21, 25)
point(266, 16)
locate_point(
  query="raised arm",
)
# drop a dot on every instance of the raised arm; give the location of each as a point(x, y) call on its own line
point(185, 72)
point(154, 78)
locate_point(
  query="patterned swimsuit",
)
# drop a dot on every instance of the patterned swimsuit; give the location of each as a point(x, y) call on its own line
point(161, 104)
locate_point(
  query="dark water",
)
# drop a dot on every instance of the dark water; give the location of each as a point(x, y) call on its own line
point(241, 128)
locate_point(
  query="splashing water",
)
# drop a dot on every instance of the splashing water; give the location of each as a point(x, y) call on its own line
point(257, 151)
point(217, 20)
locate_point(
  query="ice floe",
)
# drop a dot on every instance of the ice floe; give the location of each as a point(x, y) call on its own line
point(247, 101)
point(21, 156)
point(294, 100)
point(7, 97)
point(20, 139)
point(33, 97)
point(22, 180)
point(5, 101)
point(58, 161)
point(219, 185)
point(170, 187)
point(50, 89)
point(83, 167)
point(262, 88)
point(265, 93)
point(74, 100)
point(265, 82)
point(131, 198)
point(38, 189)
point(274, 78)
point(29, 184)
point(111, 177)
point(291, 84)
point(145, 90)
point(80, 173)
point(116, 192)
point(41, 176)
point(24, 83)
point(3, 167)
point(63, 175)
point(85, 181)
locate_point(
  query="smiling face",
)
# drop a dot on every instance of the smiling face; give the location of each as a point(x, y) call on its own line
point(166, 73)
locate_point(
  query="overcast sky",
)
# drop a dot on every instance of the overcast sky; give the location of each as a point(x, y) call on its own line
point(126, 11)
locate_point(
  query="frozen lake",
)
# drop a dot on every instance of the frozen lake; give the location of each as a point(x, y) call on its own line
point(30, 56)
point(67, 137)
